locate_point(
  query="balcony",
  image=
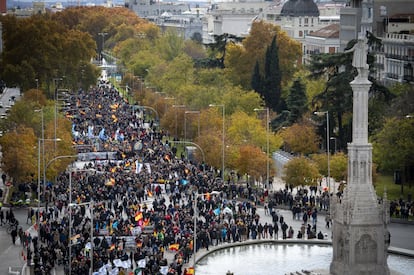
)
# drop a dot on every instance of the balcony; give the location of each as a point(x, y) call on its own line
point(392, 76)
point(408, 78)
point(399, 57)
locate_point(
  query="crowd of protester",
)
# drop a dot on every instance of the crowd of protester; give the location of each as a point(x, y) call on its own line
point(401, 209)
point(140, 204)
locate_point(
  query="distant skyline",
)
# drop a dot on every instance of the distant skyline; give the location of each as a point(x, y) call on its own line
point(25, 3)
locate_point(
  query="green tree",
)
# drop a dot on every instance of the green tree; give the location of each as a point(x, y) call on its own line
point(338, 165)
point(237, 99)
point(272, 80)
point(300, 138)
point(40, 48)
point(393, 146)
point(218, 50)
point(170, 45)
point(301, 171)
point(257, 80)
point(242, 57)
point(297, 101)
point(211, 135)
point(19, 154)
point(252, 161)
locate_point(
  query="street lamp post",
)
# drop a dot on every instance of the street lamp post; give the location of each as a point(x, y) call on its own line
point(168, 98)
point(327, 147)
point(196, 196)
point(334, 138)
point(103, 34)
point(185, 119)
point(39, 181)
point(196, 145)
point(70, 201)
point(222, 152)
point(157, 116)
point(267, 144)
point(176, 122)
point(44, 166)
point(38, 165)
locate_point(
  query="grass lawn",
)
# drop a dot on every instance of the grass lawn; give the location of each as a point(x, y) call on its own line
point(393, 190)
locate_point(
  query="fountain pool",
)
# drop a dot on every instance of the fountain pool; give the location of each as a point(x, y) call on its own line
point(275, 259)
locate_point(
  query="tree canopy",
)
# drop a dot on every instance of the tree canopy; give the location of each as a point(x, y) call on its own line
point(242, 58)
point(301, 171)
point(40, 48)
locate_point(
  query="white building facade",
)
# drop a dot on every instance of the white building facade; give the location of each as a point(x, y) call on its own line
point(325, 40)
point(395, 61)
point(231, 17)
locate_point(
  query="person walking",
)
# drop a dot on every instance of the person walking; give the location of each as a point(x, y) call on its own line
point(328, 221)
point(29, 215)
point(14, 235)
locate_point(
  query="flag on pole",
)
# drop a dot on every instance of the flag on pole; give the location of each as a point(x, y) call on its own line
point(190, 271)
point(138, 167)
point(110, 182)
point(142, 263)
point(75, 237)
point(90, 131)
point(217, 211)
point(138, 216)
point(174, 247)
point(164, 270)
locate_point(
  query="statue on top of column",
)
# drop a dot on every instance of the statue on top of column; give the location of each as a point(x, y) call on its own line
point(359, 60)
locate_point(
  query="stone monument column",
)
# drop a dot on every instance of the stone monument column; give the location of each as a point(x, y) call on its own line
point(359, 234)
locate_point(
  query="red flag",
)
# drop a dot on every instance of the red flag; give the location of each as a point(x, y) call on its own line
point(138, 216)
point(174, 247)
point(190, 271)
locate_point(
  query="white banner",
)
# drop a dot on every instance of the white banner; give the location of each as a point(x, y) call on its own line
point(135, 231)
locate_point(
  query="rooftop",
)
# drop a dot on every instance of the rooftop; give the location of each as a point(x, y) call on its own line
point(331, 31)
